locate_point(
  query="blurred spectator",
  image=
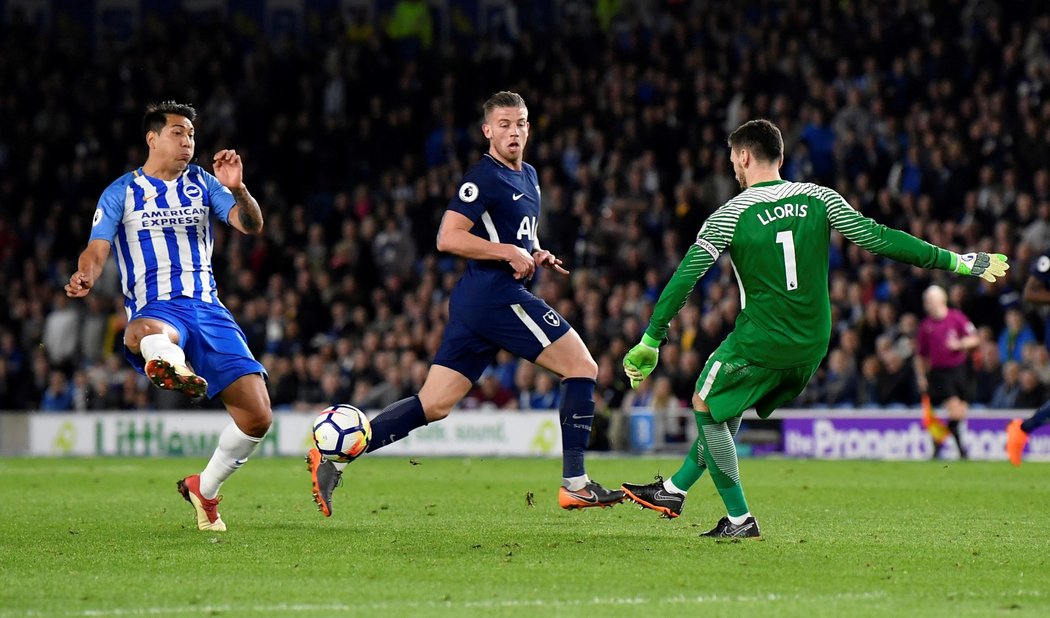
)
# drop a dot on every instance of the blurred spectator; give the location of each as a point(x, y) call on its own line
point(490, 393)
point(525, 384)
point(839, 384)
point(895, 383)
point(546, 395)
point(61, 330)
point(987, 373)
point(1031, 393)
point(1005, 395)
point(58, 396)
point(1015, 334)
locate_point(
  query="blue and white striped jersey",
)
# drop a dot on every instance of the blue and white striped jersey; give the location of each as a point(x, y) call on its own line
point(161, 233)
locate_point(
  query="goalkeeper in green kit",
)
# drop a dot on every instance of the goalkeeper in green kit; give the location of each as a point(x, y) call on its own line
point(777, 233)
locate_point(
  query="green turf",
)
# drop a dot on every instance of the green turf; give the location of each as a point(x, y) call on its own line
point(455, 537)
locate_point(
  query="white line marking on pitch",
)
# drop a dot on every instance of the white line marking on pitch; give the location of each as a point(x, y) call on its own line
point(481, 604)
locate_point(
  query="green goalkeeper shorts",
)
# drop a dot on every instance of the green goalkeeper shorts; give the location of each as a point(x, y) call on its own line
point(729, 384)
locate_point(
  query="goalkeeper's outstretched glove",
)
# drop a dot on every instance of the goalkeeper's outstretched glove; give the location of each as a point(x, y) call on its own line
point(641, 360)
point(987, 266)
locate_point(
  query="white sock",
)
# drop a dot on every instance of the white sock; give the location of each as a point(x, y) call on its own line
point(671, 487)
point(736, 521)
point(233, 450)
point(340, 465)
point(159, 346)
point(575, 483)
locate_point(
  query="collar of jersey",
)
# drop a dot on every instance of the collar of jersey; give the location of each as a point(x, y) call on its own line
point(141, 174)
point(767, 183)
point(504, 165)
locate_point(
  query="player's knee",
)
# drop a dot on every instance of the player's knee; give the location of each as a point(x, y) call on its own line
point(139, 328)
point(584, 367)
point(258, 423)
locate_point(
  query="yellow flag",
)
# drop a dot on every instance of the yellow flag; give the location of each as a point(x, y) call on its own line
point(938, 430)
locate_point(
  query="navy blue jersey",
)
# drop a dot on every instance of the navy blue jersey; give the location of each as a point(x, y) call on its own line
point(504, 205)
point(1041, 269)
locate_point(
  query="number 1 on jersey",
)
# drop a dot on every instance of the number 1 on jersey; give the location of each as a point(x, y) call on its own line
point(786, 239)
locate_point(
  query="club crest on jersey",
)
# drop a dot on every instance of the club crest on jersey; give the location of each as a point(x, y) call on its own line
point(191, 191)
point(1042, 264)
point(551, 318)
point(468, 192)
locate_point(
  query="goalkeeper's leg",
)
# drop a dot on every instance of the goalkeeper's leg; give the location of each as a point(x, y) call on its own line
point(668, 496)
point(719, 452)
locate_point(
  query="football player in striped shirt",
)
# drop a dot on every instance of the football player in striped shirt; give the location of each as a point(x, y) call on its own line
point(157, 221)
point(778, 234)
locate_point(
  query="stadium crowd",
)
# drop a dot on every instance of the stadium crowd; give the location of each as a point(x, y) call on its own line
point(933, 117)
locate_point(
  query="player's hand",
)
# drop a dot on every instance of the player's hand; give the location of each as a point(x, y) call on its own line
point(228, 168)
point(987, 266)
point(640, 362)
point(520, 261)
point(79, 285)
point(546, 259)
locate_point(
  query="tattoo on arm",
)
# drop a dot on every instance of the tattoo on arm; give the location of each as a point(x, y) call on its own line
point(250, 214)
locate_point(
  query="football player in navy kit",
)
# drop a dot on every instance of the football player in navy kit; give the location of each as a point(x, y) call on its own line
point(492, 222)
point(1036, 290)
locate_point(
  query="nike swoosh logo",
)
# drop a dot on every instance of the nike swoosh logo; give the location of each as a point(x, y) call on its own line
point(662, 495)
point(742, 529)
point(590, 498)
point(577, 417)
point(518, 196)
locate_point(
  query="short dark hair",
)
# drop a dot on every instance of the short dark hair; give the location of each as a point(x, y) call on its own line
point(761, 138)
point(156, 117)
point(503, 98)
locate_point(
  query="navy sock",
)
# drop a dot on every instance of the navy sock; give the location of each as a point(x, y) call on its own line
point(577, 415)
point(1037, 420)
point(395, 421)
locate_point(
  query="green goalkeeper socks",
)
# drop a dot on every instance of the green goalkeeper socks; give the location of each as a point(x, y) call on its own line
point(719, 451)
point(691, 470)
point(693, 465)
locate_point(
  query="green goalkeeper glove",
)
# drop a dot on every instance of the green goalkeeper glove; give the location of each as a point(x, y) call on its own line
point(641, 360)
point(987, 266)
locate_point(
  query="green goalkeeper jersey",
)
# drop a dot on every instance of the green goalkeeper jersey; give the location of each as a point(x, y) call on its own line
point(777, 234)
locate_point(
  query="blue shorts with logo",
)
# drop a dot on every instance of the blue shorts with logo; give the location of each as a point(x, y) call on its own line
point(474, 335)
point(215, 345)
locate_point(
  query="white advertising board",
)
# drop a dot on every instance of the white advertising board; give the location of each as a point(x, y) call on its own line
point(194, 434)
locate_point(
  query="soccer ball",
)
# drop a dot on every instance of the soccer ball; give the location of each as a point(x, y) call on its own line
point(342, 433)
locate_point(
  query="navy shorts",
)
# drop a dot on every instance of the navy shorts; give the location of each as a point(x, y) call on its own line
point(215, 345)
point(474, 335)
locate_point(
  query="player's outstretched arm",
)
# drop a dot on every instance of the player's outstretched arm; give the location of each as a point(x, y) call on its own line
point(246, 216)
point(89, 266)
point(904, 247)
point(454, 237)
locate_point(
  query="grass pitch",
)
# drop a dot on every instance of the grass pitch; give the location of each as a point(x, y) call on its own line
point(457, 537)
